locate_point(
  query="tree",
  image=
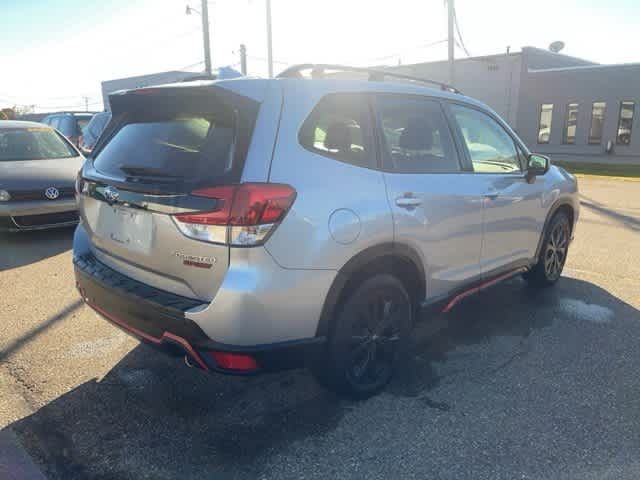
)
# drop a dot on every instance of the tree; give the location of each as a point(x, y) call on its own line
point(7, 114)
point(23, 109)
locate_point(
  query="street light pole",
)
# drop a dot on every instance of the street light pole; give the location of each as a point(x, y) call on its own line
point(269, 50)
point(205, 37)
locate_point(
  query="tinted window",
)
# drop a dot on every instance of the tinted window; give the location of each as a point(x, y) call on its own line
point(339, 127)
point(82, 122)
point(544, 125)
point(571, 123)
point(625, 122)
point(66, 126)
point(597, 121)
point(97, 123)
point(491, 148)
point(416, 136)
point(54, 122)
point(182, 146)
point(34, 143)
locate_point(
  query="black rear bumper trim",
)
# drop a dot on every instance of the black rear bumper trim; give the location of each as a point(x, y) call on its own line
point(158, 318)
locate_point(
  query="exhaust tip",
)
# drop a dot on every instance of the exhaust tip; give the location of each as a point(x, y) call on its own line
point(187, 361)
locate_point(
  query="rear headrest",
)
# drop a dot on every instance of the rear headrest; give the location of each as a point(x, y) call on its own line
point(417, 135)
point(338, 137)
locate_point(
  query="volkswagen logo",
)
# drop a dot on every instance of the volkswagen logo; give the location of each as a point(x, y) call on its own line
point(51, 193)
point(111, 194)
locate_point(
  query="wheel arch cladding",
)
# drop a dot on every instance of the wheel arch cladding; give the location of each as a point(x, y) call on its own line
point(398, 259)
point(563, 206)
point(567, 209)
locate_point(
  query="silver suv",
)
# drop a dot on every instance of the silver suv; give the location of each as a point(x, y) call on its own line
point(253, 224)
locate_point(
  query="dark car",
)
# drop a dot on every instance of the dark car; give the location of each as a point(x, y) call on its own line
point(70, 124)
point(38, 168)
point(92, 131)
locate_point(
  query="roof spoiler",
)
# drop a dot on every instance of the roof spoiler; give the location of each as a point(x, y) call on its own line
point(318, 71)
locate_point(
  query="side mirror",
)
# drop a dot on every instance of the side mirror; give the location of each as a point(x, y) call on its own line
point(537, 165)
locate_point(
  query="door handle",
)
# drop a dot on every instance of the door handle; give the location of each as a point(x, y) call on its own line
point(492, 194)
point(408, 202)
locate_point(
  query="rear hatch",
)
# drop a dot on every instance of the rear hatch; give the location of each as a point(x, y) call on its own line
point(164, 151)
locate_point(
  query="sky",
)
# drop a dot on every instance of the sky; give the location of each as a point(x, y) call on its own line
point(53, 53)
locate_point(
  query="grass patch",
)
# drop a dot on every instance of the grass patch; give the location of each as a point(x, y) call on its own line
point(600, 169)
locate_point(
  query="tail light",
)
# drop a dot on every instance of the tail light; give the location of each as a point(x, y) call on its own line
point(235, 361)
point(246, 215)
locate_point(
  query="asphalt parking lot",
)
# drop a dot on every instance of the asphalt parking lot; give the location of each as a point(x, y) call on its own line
point(518, 384)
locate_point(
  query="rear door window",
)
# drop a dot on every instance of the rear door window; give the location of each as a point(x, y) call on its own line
point(340, 127)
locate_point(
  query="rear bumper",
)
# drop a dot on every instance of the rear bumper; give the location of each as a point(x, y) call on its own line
point(158, 318)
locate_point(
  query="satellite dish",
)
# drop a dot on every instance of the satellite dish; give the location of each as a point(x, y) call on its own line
point(555, 47)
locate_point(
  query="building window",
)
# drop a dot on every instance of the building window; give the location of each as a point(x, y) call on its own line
point(572, 122)
point(597, 122)
point(625, 121)
point(544, 127)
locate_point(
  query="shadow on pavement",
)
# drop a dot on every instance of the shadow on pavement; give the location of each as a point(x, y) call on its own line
point(41, 328)
point(628, 221)
point(23, 248)
point(152, 417)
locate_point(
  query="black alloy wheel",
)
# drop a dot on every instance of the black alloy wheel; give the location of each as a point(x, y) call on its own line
point(369, 338)
point(553, 254)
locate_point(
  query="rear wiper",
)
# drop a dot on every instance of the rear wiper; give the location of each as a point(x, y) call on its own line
point(148, 172)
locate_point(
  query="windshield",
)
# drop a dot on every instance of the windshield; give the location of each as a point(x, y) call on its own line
point(34, 143)
point(182, 146)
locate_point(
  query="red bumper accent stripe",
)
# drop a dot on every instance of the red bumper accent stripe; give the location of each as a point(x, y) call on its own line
point(150, 338)
point(482, 286)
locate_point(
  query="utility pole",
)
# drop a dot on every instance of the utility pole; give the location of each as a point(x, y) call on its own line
point(269, 50)
point(450, 40)
point(86, 104)
point(243, 59)
point(205, 36)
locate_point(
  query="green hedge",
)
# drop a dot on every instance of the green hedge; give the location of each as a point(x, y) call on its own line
point(603, 169)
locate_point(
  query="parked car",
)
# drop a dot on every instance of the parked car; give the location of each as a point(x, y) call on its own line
point(92, 131)
point(38, 168)
point(253, 225)
point(70, 124)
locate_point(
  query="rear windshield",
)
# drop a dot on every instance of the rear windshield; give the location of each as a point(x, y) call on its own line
point(97, 123)
point(184, 147)
point(36, 143)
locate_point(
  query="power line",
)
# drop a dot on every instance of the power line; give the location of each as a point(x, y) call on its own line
point(462, 45)
point(266, 60)
point(191, 66)
point(417, 47)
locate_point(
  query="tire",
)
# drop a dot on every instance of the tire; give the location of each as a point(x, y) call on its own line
point(369, 338)
point(553, 253)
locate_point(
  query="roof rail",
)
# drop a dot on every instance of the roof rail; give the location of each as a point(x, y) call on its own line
point(318, 71)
